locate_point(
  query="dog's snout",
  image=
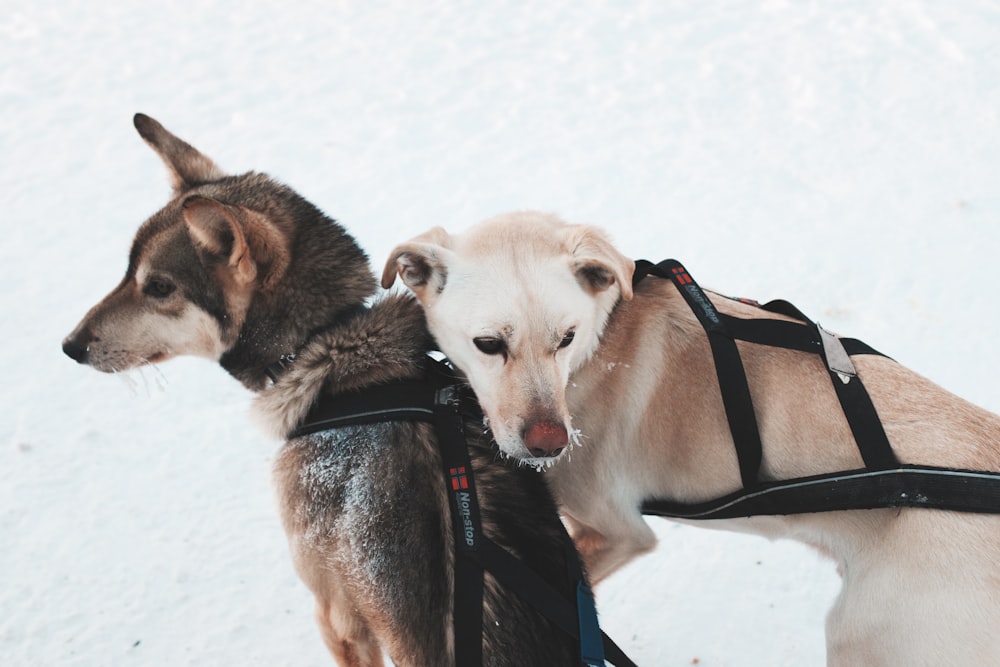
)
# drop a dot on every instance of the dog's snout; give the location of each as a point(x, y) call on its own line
point(76, 346)
point(545, 439)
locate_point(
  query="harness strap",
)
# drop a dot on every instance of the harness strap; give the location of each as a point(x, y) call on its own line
point(728, 366)
point(927, 487)
point(468, 588)
point(790, 335)
point(854, 399)
point(723, 330)
point(863, 419)
point(406, 400)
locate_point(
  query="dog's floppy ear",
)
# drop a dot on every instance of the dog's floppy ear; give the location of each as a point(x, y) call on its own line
point(188, 167)
point(596, 263)
point(421, 262)
point(253, 248)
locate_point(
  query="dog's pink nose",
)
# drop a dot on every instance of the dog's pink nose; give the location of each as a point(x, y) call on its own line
point(545, 439)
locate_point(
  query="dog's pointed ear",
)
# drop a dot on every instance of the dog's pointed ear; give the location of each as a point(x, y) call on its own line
point(596, 262)
point(188, 166)
point(216, 230)
point(421, 262)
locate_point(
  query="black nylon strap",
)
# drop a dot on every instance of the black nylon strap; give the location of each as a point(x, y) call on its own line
point(789, 335)
point(805, 336)
point(468, 593)
point(858, 409)
point(926, 487)
point(407, 400)
point(728, 367)
point(872, 442)
point(863, 419)
point(865, 423)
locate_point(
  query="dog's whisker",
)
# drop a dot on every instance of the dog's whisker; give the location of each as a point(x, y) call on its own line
point(129, 380)
point(159, 377)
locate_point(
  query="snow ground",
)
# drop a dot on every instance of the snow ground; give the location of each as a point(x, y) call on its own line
point(841, 155)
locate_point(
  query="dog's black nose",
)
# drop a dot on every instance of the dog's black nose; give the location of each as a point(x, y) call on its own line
point(75, 349)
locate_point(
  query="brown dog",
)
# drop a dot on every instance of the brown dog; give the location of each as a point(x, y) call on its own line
point(542, 318)
point(244, 271)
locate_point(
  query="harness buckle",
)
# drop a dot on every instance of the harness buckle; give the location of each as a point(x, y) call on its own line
point(837, 359)
point(448, 397)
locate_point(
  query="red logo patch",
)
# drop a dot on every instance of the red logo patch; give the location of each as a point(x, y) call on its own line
point(681, 276)
point(459, 478)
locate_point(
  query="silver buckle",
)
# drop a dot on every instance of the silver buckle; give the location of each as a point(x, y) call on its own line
point(837, 359)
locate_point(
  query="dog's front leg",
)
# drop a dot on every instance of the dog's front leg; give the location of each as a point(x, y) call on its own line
point(604, 551)
point(347, 636)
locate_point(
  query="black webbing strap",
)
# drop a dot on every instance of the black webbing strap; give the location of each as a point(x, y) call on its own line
point(728, 365)
point(906, 486)
point(807, 336)
point(468, 590)
point(405, 400)
point(790, 335)
point(864, 422)
point(863, 419)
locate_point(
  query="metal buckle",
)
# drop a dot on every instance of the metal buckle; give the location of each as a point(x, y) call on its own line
point(837, 359)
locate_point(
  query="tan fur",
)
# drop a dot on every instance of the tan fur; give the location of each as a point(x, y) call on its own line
point(920, 587)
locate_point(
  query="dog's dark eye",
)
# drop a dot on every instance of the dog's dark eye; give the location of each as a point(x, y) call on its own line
point(159, 288)
point(567, 339)
point(490, 345)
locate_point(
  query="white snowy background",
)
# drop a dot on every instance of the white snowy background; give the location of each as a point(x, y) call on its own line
point(843, 155)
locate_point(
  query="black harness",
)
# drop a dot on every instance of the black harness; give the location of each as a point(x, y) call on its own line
point(883, 482)
point(440, 399)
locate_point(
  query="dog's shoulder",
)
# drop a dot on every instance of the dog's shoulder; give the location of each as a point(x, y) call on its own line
point(382, 343)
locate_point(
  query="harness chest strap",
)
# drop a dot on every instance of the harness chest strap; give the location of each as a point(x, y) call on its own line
point(915, 486)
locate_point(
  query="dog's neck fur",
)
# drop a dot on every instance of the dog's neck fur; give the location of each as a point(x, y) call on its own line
point(382, 343)
point(305, 303)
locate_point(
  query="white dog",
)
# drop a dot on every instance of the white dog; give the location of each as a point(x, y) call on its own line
point(542, 318)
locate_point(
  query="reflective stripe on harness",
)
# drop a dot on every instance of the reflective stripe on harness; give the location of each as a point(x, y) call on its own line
point(442, 401)
point(883, 483)
point(906, 486)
